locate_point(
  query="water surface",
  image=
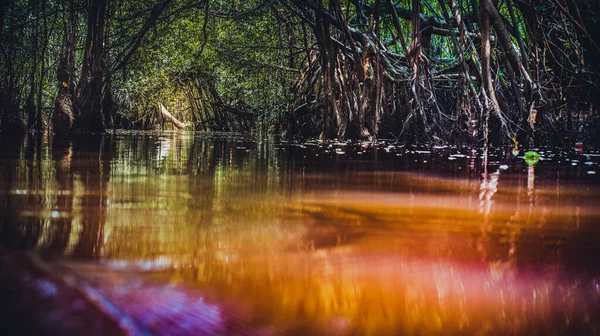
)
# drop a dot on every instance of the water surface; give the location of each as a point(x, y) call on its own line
point(183, 233)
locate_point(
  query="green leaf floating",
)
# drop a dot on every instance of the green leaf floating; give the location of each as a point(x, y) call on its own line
point(532, 157)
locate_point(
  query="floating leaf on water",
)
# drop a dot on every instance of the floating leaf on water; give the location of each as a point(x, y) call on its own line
point(531, 157)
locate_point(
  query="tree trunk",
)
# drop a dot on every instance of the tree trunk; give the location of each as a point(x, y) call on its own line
point(170, 117)
point(486, 72)
point(107, 102)
point(10, 117)
point(509, 49)
point(29, 103)
point(62, 118)
point(38, 117)
point(89, 100)
point(484, 25)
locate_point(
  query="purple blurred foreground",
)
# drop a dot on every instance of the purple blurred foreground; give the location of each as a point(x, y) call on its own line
point(44, 298)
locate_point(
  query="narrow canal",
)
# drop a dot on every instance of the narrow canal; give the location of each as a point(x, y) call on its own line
point(178, 233)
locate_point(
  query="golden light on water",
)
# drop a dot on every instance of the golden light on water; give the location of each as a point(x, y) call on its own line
point(275, 246)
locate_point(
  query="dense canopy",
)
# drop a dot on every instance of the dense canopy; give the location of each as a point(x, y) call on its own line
point(446, 71)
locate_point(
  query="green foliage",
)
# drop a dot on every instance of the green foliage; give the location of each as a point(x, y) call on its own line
point(252, 53)
point(237, 50)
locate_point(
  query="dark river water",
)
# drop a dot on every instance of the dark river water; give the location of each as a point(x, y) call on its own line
point(177, 233)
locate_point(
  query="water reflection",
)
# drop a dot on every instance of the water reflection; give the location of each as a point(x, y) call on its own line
point(61, 217)
point(93, 156)
point(311, 238)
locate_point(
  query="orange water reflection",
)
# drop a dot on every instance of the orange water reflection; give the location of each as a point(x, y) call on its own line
point(283, 243)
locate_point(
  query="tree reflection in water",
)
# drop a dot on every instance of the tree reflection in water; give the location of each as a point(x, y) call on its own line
point(62, 216)
point(310, 238)
point(93, 155)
